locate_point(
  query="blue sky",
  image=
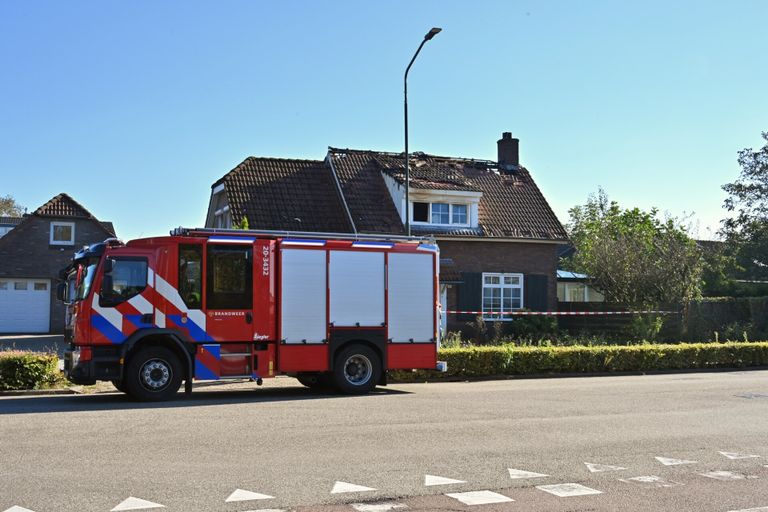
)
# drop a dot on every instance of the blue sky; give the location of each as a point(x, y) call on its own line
point(136, 108)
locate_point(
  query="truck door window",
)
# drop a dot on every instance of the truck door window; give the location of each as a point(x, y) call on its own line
point(191, 275)
point(129, 278)
point(229, 283)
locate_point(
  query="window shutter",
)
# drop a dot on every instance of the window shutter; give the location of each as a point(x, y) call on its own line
point(536, 292)
point(470, 294)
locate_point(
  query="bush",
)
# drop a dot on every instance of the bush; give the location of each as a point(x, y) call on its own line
point(505, 360)
point(27, 370)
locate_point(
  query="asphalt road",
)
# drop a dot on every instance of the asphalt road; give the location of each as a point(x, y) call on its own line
point(90, 453)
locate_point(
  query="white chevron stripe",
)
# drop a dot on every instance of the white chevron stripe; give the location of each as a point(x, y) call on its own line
point(150, 278)
point(141, 304)
point(112, 315)
point(159, 319)
point(170, 294)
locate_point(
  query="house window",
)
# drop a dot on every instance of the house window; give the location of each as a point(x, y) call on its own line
point(20, 285)
point(441, 213)
point(62, 233)
point(420, 212)
point(41, 287)
point(444, 214)
point(3, 285)
point(502, 293)
point(459, 214)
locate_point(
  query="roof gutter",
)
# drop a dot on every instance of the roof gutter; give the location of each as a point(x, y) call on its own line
point(329, 159)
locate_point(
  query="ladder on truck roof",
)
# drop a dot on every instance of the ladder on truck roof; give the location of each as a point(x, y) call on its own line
point(180, 231)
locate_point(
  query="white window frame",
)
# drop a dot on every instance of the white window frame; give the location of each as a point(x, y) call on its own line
point(502, 286)
point(450, 214)
point(56, 223)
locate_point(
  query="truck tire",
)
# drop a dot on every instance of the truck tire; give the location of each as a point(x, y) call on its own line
point(153, 374)
point(357, 369)
point(119, 385)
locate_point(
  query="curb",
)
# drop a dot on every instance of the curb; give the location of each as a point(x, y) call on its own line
point(42, 392)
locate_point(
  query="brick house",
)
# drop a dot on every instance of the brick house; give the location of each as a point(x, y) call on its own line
point(31, 256)
point(498, 235)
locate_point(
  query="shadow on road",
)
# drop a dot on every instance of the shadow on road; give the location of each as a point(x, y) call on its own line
point(206, 397)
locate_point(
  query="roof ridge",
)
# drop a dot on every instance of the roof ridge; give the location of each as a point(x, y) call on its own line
point(62, 196)
point(419, 153)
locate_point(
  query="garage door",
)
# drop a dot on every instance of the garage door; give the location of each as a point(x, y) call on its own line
point(25, 305)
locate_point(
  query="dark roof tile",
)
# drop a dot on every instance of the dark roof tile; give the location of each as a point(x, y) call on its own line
point(283, 194)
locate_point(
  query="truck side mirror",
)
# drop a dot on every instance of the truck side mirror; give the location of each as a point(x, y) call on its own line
point(61, 292)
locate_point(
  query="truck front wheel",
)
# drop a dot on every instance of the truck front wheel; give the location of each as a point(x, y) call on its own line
point(357, 369)
point(153, 374)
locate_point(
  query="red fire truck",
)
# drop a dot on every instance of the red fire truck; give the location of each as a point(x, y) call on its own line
point(208, 304)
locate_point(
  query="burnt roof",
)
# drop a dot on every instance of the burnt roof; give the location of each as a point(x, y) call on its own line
point(511, 206)
point(285, 194)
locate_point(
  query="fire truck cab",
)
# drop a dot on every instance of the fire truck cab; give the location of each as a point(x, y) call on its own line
point(332, 310)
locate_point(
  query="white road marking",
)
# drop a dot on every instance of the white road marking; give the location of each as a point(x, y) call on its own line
point(675, 462)
point(738, 456)
point(479, 497)
point(17, 508)
point(267, 510)
point(724, 475)
point(440, 480)
point(341, 487)
point(599, 468)
point(515, 474)
point(377, 507)
point(650, 481)
point(132, 503)
point(242, 495)
point(758, 509)
point(568, 490)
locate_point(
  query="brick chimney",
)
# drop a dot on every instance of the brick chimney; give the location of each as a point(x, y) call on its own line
point(509, 152)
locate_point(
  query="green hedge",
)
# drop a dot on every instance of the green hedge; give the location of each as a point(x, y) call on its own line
point(473, 362)
point(27, 370)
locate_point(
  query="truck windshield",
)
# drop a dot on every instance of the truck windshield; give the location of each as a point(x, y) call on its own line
point(86, 271)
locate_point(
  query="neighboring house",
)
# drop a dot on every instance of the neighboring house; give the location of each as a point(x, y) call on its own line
point(31, 256)
point(498, 236)
point(574, 287)
point(7, 224)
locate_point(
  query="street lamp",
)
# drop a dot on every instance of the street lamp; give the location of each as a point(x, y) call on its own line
point(432, 33)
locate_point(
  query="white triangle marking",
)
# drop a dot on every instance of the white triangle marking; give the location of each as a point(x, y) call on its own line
point(17, 508)
point(136, 504)
point(598, 468)
point(440, 480)
point(738, 456)
point(479, 497)
point(519, 473)
point(340, 487)
point(241, 495)
point(674, 462)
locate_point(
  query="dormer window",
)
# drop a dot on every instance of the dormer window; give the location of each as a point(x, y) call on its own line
point(442, 214)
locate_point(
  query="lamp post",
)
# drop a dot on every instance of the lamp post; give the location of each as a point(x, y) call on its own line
point(432, 33)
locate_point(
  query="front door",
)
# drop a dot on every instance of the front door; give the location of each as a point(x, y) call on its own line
point(229, 291)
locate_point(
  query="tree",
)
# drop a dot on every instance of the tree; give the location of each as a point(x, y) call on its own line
point(747, 230)
point(9, 207)
point(632, 256)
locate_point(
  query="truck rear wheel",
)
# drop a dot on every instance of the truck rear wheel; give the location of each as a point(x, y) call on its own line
point(357, 369)
point(153, 374)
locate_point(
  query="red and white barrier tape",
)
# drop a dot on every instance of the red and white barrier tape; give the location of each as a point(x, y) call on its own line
point(558, 313)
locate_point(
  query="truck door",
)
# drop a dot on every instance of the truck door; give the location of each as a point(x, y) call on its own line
point(229, 291)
